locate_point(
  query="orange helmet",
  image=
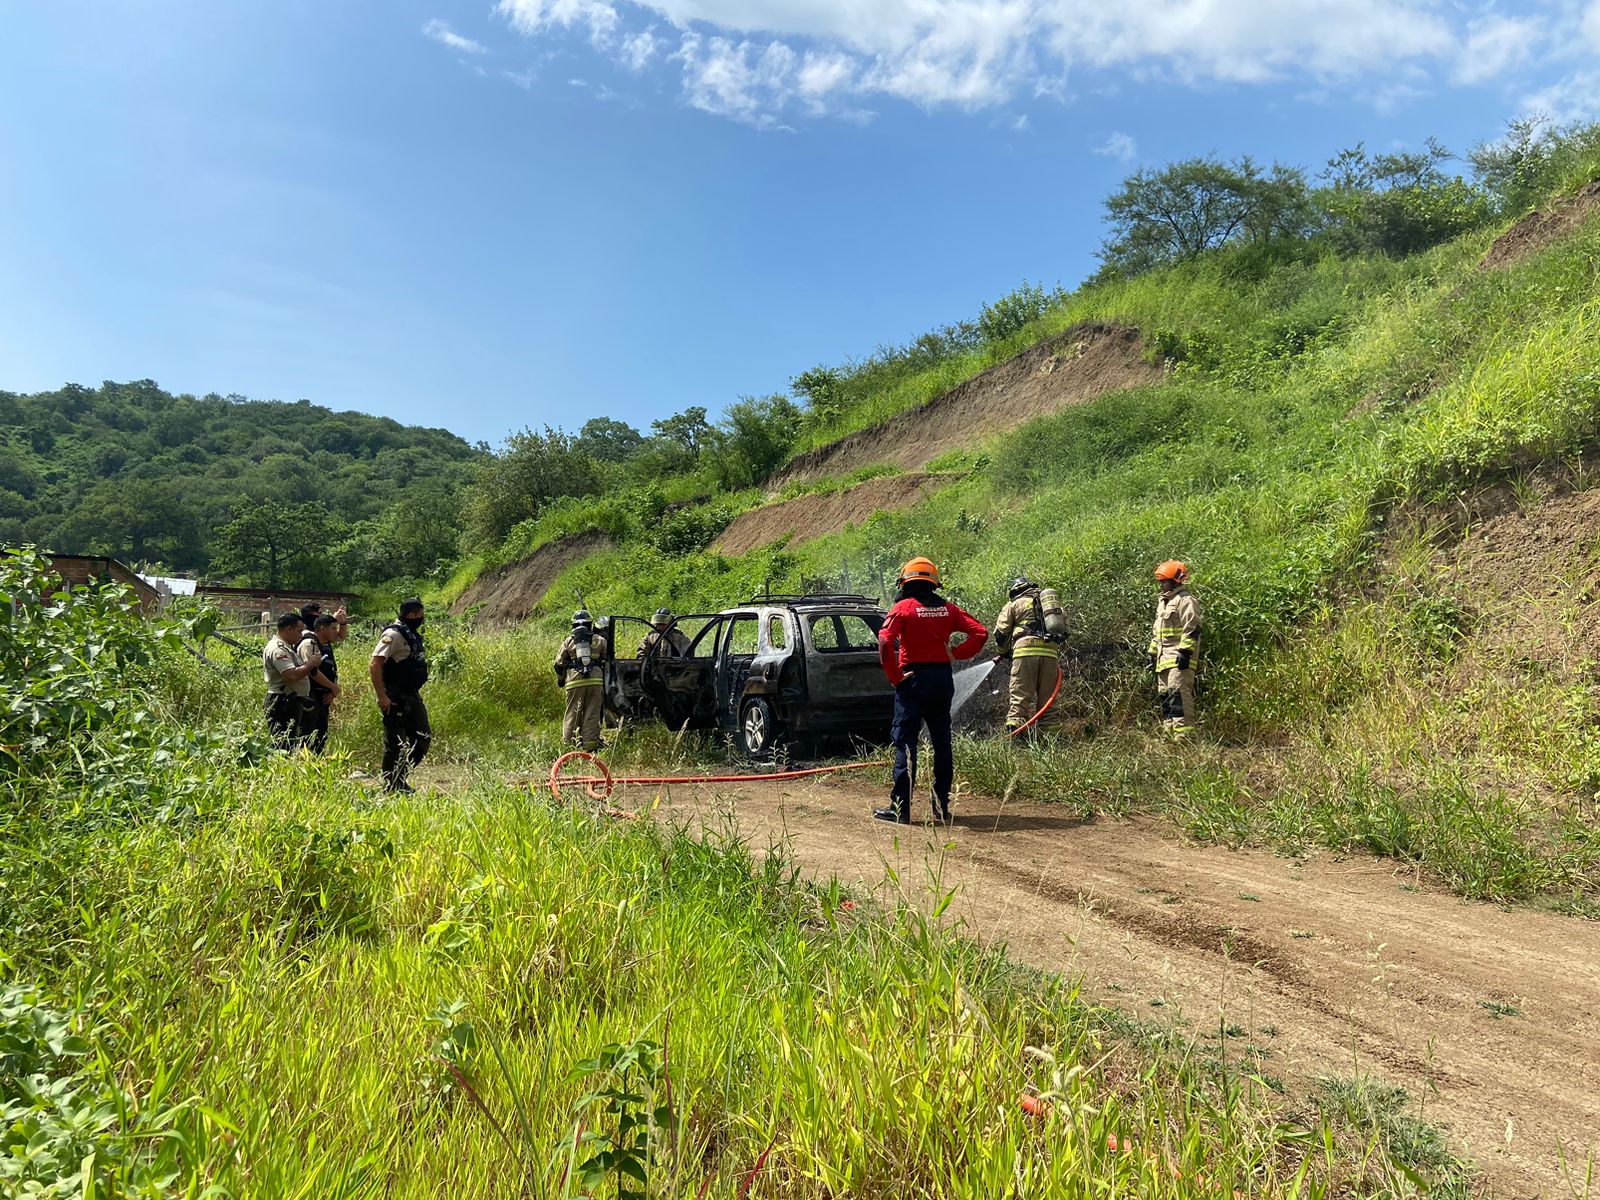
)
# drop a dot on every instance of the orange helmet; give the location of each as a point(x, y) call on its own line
point(919, 568)
point(1174, 570)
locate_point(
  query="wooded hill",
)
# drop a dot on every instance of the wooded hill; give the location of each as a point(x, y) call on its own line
point(228, 486)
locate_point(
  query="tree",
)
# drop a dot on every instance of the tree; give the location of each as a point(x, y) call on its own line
point(138, 518)
point(275, 545)
point(1396, 204)
point(689, 429)
point(609, 441)
point(514, 485)
point(1187, 208)
point(753, 439)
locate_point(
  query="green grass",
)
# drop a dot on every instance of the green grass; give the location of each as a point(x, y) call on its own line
point(289, 979)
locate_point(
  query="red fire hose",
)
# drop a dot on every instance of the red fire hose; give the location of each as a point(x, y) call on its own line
point(599, 787)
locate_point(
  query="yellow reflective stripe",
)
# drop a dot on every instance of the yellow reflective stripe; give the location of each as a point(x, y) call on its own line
point(1034, 652)
point(583, 683)
point(1187, 643)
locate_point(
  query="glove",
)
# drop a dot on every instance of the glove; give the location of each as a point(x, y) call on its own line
point(1184, 658)
point(561, 677)
point(1150, 662)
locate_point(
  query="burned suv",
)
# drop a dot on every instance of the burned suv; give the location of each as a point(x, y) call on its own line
point(779, 671)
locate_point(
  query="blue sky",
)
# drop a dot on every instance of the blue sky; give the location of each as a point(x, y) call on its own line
point(485, 216)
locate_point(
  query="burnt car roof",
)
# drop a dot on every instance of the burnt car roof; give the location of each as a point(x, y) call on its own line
point(830, 600)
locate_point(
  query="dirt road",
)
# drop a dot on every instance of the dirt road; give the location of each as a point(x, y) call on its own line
point(1491, 1017)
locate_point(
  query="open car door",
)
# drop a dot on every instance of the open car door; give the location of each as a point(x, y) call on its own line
point(654, 682)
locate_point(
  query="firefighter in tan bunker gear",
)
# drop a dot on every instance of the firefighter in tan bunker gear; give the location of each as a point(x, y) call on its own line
point(1174, 640)
point(1020, 635)
point(579, 667)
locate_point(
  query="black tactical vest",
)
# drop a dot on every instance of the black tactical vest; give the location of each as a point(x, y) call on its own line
point(409, 674)
point(329, 669)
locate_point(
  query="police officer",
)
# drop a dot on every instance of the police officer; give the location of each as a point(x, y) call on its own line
point(672, 641)
point(579, 671)
point(287, 673)
point(398, 669)
point(324, 680)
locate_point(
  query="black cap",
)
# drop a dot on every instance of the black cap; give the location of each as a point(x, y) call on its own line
point(410, 604)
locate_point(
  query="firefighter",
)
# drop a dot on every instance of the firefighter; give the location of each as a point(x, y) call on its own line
point(578, 670)
point(1174, 640)
point(915, 648)
point(320, 635)
point(398, 669)
point(288, 679)
point(673, 642)
point(1021, 636)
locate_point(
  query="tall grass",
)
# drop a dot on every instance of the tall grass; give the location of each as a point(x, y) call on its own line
point(353, 1000)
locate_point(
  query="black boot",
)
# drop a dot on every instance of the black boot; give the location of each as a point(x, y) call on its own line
point(894, 813)
point(941, 810)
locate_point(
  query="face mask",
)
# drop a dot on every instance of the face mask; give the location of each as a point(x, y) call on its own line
point(412, 622)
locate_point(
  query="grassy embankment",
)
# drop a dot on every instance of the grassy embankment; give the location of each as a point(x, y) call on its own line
point(1325, 426)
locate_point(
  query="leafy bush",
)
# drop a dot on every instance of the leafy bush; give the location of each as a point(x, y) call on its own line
point(68, 1129)
point(754, 438)
point(689, 529)
point(70, 659)
point(1014, 311)
point(1535, 159)
point(517, 484)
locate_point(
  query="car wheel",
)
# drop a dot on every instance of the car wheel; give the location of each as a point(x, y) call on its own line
point(758, 729)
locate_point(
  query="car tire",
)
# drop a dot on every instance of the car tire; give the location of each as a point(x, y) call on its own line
point(759, 734)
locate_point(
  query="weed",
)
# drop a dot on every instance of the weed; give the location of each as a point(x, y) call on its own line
point(1499, 1008)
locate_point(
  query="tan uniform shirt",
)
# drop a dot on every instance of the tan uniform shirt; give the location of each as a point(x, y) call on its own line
point(568, 664)
point(1176, 627)
point(392, 646)
point(277, 658)
point(677, 645)
point(1017, 615)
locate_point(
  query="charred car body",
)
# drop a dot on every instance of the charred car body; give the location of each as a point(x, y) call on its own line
point(779, 671)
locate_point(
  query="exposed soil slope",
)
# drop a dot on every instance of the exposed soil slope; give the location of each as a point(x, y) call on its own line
point(508, 594)
point(1531, 575)
point(1083, 362)
point(1328, 967)
point(808, 517)
point(1538, 229)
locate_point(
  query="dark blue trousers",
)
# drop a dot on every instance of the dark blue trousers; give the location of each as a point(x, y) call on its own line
point(922, 700)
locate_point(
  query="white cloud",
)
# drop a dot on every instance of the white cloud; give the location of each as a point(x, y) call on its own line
point(598, 17)
point(1495, 45)
point(440, 31)
point(636, 50)
point(754, 59)
point(826, 72)
point(1120, 147)
point(1575, 98)
point(523, 79)
point(742, 80)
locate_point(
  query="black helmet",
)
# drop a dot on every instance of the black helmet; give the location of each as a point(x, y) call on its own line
point(582, 620)
point(1021, 584)
point(663, 616)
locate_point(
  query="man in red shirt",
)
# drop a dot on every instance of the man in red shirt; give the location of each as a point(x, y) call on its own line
point(914, 645)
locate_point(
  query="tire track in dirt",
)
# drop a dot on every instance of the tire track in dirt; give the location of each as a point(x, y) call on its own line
point(1335, 967)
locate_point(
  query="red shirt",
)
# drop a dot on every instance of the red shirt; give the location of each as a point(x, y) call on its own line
point(920, 633)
